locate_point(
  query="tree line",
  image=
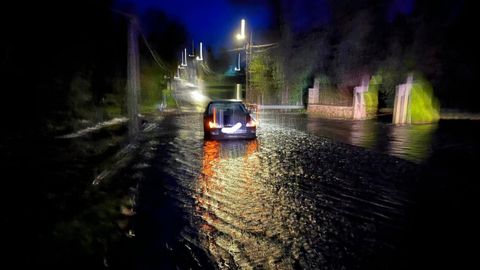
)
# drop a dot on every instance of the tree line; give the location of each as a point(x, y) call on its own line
point(63, 63)
point(342, 42)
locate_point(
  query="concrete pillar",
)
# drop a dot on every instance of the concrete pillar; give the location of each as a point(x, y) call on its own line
point(359, 106)
point(401, 105)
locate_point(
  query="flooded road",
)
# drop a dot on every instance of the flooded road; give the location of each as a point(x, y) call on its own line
point(415, 143)
point(285, 200)
point(410, 142)
point(308, 193)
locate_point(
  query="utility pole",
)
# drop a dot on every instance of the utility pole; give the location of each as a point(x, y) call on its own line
point(248, 43)
point(248, 56)
point(133, 79)
point(247, 93)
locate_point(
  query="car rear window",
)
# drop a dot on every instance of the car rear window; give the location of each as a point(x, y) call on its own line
point(227, 106)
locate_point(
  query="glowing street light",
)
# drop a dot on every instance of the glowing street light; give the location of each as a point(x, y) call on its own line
point(241, 36)
point(200, 58)
point(184, 62)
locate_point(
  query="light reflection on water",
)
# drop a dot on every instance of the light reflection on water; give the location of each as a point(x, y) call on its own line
point(285, 200)
point(411, 142)
point(229, 201)
point(243, 223)
point(257, 210)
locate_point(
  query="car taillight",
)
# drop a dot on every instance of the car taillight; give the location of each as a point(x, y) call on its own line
point(252, 123)
point(213, 125)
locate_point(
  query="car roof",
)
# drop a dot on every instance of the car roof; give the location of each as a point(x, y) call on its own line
point(226, 101)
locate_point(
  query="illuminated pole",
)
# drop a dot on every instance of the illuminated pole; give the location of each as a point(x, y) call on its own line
point(185, 57)
point(243, 27)
point(248, 56)
point(248, 48)
point(184, 64)
point(200, 58)
point(241, 36)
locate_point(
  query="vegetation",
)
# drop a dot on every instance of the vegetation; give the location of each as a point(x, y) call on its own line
point(153, 85)
point(345, 42)
point(424, 107)
point(264, 81)
point(65, 78)
point(371, 96)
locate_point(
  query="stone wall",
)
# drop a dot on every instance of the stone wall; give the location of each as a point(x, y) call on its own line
point(327, 111)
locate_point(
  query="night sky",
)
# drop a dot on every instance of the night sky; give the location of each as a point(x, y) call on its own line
point(214, 21)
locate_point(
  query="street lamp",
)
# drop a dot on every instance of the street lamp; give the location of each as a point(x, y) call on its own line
point(242, 36)
point(200, 58)
point(184, 63)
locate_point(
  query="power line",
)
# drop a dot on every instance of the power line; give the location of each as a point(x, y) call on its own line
point(159, 62)
point(134, 20)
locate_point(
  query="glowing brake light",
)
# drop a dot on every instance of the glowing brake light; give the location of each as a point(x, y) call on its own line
point(252, 123)
point(213, 125)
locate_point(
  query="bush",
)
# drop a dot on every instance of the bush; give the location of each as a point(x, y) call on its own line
point(371, 97)
point(424, 107)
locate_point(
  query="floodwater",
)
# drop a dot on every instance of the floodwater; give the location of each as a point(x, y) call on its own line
point(285, 200)
point(415, 143)
point(411, 142)
point(307, 193)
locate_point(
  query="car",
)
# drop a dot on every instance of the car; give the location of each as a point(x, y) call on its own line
point(228, 119)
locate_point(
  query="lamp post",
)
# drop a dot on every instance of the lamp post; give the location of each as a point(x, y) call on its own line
point(248, 43)
point(248, 46)
point(200, 57)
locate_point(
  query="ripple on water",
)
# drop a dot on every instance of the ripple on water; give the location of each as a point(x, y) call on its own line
point(284, 200)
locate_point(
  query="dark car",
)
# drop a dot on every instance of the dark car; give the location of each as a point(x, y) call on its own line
point(228, 119)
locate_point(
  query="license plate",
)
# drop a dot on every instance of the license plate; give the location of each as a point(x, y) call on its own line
point(232, 130)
